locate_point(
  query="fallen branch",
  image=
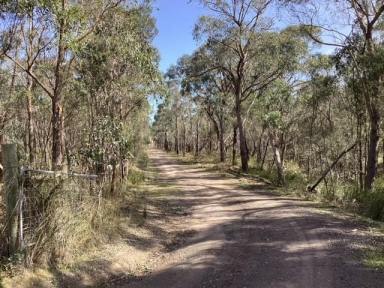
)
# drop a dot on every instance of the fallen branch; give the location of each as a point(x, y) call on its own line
point(311, 188)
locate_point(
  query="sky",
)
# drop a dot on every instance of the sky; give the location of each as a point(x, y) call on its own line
point(175, 22)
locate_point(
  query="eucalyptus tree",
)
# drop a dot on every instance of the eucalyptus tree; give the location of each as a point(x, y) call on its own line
point(161, 126)
point(211, 92)
point(118, 70)
point(66, 26)
point(246, 50)
point(277, 107)
point(173, 78)
point(340, 23)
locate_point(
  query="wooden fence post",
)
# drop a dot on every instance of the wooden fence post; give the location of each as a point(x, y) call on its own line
point(11, 185)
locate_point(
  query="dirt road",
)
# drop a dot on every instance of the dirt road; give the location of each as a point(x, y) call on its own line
point(244, 238)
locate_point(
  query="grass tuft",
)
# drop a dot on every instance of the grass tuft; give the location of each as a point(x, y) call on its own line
point(374, 258)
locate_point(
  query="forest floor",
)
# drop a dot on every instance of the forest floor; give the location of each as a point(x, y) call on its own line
point(207, 228)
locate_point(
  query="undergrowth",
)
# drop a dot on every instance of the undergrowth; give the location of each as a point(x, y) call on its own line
point(295, 179)
point(67, 218)
point(374, 258)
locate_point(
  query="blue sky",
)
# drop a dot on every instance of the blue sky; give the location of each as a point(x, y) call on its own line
point(175, 22)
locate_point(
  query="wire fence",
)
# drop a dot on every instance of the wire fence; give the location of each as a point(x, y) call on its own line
point(53, 210)
point(49, 214)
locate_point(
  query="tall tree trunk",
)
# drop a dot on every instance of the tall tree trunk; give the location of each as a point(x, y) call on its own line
point(2, 124)
point(373, 94)
point(243, 143)
point(166, 141)
point(184, 139)
point(177, 135)
point(197, 138)
point(210, 137)
point(360, 151)
point(31, 134)
point(57, 133)
point(264, 155)
point(278, 159)
point(374, 137)
point(259, 147)
point(57, 109)
point(221, 140)
point(234, 144)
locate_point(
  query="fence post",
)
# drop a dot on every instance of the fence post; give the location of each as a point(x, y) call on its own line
point(11, 185)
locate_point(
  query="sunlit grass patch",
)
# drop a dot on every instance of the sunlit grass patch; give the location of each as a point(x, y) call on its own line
point(374, 258)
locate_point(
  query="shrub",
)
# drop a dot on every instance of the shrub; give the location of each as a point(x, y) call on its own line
point(136, 176)
point(374, 201)
point(63, 217)
point(295, 179)
point(143, 160)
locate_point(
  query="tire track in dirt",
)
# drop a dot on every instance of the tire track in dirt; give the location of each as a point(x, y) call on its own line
point(241, 238)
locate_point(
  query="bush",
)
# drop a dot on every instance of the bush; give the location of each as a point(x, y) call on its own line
point(374, 201)
point(143, 160)
point(136, 176)
point(64, 217)
point(295, 179)
point(349, 193)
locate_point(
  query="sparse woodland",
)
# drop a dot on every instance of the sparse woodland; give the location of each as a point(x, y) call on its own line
point(75, 80)
point(299, 104)
point(274, 102)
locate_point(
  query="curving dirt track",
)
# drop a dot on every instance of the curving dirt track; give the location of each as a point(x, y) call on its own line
point(244, 238)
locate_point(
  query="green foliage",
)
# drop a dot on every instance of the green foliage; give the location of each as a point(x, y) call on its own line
point(374, 201)
point(374, 258)
point(273, 119)
point(295, 178)
point(109, 68)
point(143, 160)
point(136, 176)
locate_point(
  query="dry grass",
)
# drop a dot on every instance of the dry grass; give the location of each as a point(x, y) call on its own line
point(64, 219)
point(80, 242)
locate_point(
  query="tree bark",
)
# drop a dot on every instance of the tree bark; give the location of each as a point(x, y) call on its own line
point(360, 156)
point(259, 148)
point(57, 133)
point(243, 143)
point(264, 155)
point(210, 137)
point(166, 147)
point(57, 109)
point(374, 137)
point(197, 138)
point(184, 139)
point(221, 140)
point(234, 144)
point(177, 135)
point(278, 160)
point(31, 133)
point(11, 187)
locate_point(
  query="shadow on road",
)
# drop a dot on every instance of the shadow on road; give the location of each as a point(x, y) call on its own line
point(235, 238)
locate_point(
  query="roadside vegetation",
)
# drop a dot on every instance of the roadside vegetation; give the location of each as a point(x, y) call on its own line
point(271, 102)
point(74, 76)
point(298, 106)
